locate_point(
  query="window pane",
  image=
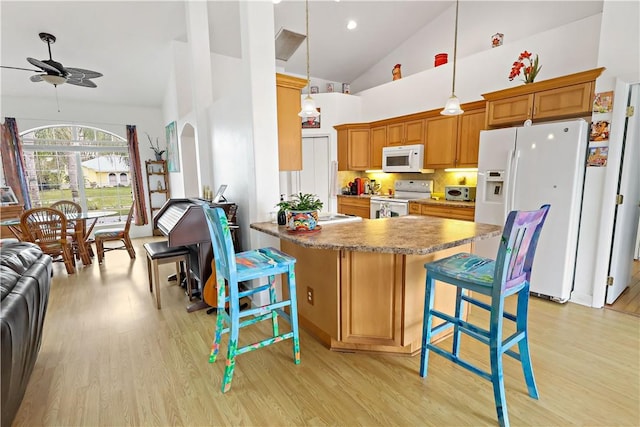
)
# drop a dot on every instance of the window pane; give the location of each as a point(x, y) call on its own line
point(62, 164)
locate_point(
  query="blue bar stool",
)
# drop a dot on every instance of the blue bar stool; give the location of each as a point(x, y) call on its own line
point(508, 275)
point(245, 266)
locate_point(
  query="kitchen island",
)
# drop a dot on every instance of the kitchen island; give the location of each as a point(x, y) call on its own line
point(361, 284)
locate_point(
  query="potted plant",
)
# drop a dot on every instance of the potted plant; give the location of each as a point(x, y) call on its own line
point(301, 211)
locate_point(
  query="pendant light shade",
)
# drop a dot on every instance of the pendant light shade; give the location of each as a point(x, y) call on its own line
point(309, 109)
point(452, 107)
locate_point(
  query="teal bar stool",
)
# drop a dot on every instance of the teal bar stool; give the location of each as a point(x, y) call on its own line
point(244, 266)
point(508, 275)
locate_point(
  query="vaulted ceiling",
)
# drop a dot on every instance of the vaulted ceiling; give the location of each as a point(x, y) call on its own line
point(129, 41)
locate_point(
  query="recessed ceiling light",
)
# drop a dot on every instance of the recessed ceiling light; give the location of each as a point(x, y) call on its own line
point(351, 25)
point(276, 1)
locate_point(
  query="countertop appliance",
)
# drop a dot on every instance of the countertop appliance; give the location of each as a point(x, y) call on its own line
point(403, 158)
point(523, 168)
point(398, 204)
point(463, 193)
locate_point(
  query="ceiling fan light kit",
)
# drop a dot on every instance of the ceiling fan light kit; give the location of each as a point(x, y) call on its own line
point(54, 72)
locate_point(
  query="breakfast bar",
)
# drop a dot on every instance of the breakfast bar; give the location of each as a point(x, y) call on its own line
point(361, 285)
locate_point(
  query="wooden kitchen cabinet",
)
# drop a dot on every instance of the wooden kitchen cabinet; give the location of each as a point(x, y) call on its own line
point(440, 142)
point(443, 211)
point(289, 123)
point(406, 133)
point(453, 141)
point(469, 126)
point(378, 141)
point(353, 147)
point(371, 298)
point(553, 99)
point(352, 205)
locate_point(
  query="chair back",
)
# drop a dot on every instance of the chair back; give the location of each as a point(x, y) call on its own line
point(517, 248)
point(127, 225)
point(67, 207)
point(221, 241)
point(44, 225)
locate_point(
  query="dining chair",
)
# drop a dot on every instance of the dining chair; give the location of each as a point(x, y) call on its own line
point(47, 228)
point(114, 234)
point(77, 227)
point(507, 275)
point(244, 266)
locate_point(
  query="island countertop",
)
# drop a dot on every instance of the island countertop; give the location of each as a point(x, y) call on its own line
point(406, 235)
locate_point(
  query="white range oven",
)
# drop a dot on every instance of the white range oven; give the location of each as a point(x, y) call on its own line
point(398, 204)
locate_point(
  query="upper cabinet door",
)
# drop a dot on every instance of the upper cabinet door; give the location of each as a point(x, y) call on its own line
point(358, 153)
point(470, 125)
point(289, 123)
point(378, 141)
point(440, 142)
point(414, 132)
point(516, 109)
point(563, 102)
point(395, 134)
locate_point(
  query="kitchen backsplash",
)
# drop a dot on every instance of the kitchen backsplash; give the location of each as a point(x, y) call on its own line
point(440, 178)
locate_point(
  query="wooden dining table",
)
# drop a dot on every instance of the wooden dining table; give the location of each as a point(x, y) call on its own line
point(84, 224)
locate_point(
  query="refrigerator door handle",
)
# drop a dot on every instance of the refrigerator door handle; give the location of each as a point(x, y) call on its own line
point(513, 174)
point(507, 185)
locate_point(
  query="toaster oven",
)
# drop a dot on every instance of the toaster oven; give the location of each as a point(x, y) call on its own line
point(462, 193)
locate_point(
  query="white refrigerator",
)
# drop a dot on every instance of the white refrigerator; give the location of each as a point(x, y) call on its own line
point(523, 168)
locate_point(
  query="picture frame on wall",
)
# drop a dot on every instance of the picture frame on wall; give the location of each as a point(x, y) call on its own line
point(173, 152)
point(311, 123)
point(603, 102)
point(7, 196)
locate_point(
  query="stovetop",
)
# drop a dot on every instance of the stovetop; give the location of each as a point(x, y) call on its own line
point(406, 190)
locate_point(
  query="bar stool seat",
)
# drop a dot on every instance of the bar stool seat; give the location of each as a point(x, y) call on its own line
point(161, 253)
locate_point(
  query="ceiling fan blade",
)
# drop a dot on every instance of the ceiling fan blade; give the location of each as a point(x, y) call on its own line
point(18, 68)
point(81, 82)
point(43, 66)
point(36, 78)
point(79, 73)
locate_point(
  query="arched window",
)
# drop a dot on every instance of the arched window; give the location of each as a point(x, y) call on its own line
point(80, 163)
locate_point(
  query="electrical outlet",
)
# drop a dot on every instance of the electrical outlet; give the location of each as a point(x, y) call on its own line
point(310, 295)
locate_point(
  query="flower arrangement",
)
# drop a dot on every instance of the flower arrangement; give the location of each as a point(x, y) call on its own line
point(530, 69)
point(156, 148)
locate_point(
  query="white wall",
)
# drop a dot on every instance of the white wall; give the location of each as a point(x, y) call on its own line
point(477, 22)
point(486, 71)
point(43, 111)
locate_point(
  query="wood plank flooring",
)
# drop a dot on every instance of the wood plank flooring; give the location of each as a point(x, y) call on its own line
point(629, 300)
point(110, 358)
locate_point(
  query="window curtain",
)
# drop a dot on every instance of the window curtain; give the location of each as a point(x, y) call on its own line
point(13, 161)
point(140, 217)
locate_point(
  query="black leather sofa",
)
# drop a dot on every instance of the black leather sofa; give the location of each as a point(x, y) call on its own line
point(25, 279)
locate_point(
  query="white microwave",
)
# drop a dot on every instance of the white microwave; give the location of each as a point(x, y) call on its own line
point(403, 158)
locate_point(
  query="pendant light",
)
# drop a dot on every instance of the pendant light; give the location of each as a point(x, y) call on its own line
point(309, 110)
point(452, 107)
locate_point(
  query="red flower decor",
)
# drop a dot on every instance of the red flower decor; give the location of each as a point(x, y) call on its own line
point(530, 69)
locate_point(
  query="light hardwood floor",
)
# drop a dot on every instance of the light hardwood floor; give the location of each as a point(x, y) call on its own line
point(629, 300)
point(110, 358)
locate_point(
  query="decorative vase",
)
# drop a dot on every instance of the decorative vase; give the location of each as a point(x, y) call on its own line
point(302, 220)
point(158, 156)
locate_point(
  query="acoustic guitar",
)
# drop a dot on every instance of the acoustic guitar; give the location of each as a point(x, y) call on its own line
point(210, 291)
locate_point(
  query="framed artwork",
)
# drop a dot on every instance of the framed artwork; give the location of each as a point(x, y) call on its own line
point(7, 197)
point(603, 102)
point(599, 131)
point(173, 152)
point(311, 123)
